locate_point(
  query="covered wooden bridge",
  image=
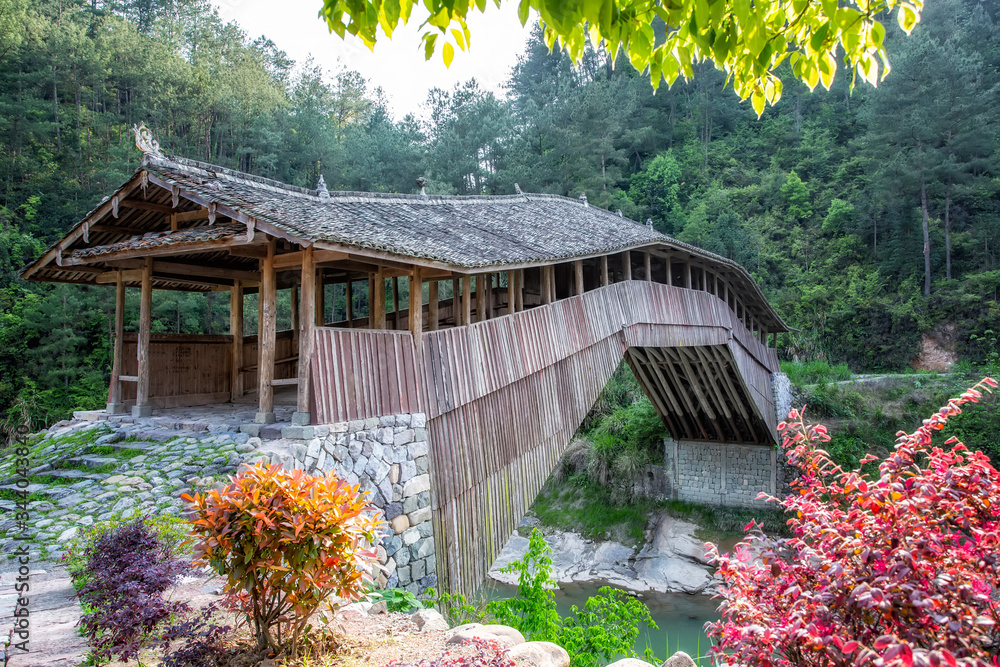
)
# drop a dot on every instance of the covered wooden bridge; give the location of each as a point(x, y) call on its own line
point(518, 310)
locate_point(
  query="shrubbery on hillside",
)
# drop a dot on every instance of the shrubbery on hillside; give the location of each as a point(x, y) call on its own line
point(895, 568)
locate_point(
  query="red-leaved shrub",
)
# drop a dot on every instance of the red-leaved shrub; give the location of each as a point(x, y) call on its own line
point(896, 570)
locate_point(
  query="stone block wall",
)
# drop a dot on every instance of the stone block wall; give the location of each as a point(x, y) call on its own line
point(720, 474)
point(389, 457)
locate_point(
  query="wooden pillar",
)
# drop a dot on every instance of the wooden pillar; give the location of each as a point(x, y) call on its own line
point(116, 405)
point(456, 301)
point(626, 265)
point(267, 298)
point(416, 319)
point(547, 296)
point(432, 305)
point(293, 294)
point(481, 297)
point(604, 271)
point(670, 272)
point(519, 291)
point(376, 298)
point(725, 292)
point(307, 339)
point(687, 274)
point(236, 331)
point(511, 287)
point(578, 287)
point(466, 300)
point(553, 290)
point(395, 303)
point(320, 298)
point(142, 407)
point(647, 264)
point(349, 297)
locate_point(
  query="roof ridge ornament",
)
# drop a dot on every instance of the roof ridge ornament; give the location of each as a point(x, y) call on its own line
point(145, 142)
point(321, 190)
point(583, 199)
point(422, 184)
point(619, 212)
point(649, 222)
point(517, 189)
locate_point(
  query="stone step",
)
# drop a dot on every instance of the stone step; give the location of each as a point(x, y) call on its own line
point(159, 435)
point(87, 461)
point(73, 474)
point(139, 446)
point(31, 488)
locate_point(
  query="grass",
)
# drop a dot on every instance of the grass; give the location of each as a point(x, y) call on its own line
point(575, 504)
point(107, 450)
point(803, 373)
point(14, 496)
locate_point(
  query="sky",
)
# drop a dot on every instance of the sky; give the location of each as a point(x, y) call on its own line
point(397, 65)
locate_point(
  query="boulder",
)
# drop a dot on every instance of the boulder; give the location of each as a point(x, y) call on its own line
point(501, 634)
point(539, 654)
point(429, 620)
point(630, 662)
point(679, 659)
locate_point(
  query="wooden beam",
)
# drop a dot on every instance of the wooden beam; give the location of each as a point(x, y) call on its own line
point(108, 277)
point(116, 229)
point(349, 298)
point(416, 308)
point(142, 408)
point(267, 299)
point(578, 277)
point(376, 298)
point(432, 305)
point(236, 331)
point(145, 206)
point(116, 404)
point(605, 281)
point(191, 216)
point(519, 292)
point(159, 251)
point(481, 297)
point(294, 259)
point(320, 298)
point(250, 251)
point(466, 300)
point(626, 265)
point(307, 337)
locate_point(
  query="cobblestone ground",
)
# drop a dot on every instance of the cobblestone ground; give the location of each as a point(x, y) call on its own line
point(88, 472)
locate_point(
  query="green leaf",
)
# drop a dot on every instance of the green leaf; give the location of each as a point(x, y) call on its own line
point(907, 17)
point(430, 39)
point(448, 53)
point(522, 12)
point(758, 101)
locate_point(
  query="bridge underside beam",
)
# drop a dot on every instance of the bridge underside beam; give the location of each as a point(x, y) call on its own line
point(699, 393)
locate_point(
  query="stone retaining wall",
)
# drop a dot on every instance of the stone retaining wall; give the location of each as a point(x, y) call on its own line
point(388, 456)
point(720, 474)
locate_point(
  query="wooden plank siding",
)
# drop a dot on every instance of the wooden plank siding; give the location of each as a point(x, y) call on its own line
point(504, 396)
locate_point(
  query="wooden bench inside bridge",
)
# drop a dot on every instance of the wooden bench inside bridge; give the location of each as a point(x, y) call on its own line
point(519, 309)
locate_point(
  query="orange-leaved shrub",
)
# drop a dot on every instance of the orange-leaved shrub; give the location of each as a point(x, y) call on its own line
point(895, 569)
point(286, 542)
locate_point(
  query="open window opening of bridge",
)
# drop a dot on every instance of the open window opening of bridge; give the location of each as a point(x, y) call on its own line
point(498, 319)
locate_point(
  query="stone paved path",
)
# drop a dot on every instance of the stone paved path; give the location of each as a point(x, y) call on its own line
point(54, 613)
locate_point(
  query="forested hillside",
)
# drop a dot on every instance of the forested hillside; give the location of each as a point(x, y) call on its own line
point(868, 217)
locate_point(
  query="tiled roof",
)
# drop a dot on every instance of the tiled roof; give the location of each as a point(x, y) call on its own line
point(160, 239)
point(461, 231)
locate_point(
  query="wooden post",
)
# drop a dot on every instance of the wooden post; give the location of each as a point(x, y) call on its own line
point(725, 292)
point(117, 405)
point(293, 294)
point(547, 296)
point(320, 298)
point(670, 272)
point(511, 287)
point(647, 264)
point(349, 297)
point(456, 301)
point(395, 303)
point(307, 338)
point(466, 300)
point(376, 297)
point(604, 271)
point(416, 307)
point(481, 297)
point(236, 331)
point(519, 291)
point(687, 274)
point(142, 407)
point(432, 305)
point(553, 289)
point(267, 297)
point(626, 265)
point(578, 277)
